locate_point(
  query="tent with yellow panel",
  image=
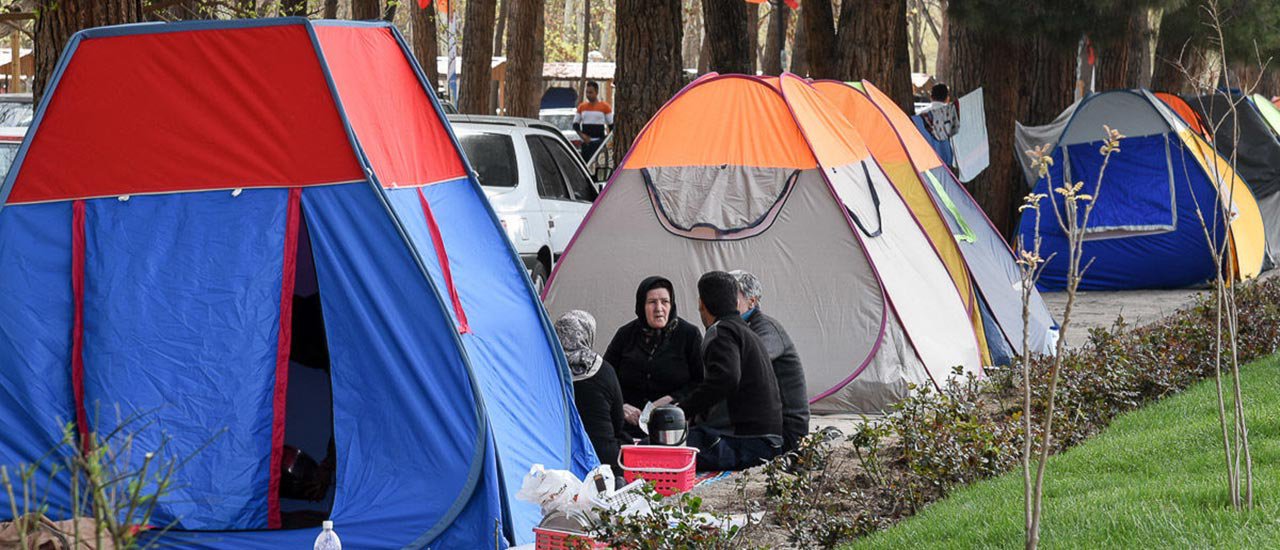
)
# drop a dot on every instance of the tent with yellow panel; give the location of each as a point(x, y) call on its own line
point(763, 174)
point(1163, 202)
point(980, 262)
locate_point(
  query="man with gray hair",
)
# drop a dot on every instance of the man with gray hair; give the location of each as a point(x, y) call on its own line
point(782, 355)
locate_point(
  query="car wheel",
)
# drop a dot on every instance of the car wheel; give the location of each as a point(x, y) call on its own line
point(539, 276)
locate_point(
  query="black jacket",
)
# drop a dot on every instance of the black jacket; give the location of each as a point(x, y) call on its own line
point(599, 402)
point(737, 370)
point(786, 368)
point(674, 367)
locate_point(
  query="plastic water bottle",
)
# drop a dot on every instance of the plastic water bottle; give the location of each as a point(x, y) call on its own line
point(328, 540)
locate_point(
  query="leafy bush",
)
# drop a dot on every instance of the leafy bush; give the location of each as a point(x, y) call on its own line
point(672, 523)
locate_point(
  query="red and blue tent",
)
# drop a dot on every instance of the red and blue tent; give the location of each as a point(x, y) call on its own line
point(179, 182)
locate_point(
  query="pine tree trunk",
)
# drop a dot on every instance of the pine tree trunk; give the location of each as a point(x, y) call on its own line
point(819, 25)
point(330, 9)
point(878, 35)
point(59, 19)
point(691, 41)
point(704, 54)
point(586, 46)
point(776, 39)
point(499, 46)
point(1121, 64)
point(726, 22)
point(293, 8)
point(1172, 51)
point(753, 37)
point(1048, 83)
point(649, 73)
point(524, 58)
point(800, 47)
point(477, 58)
point(967, 66)
point(366, 10)
point(425, 46)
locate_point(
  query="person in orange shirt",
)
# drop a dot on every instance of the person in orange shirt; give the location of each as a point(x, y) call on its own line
point(592, 121)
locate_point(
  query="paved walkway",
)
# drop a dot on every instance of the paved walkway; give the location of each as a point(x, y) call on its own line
point(1139, 307)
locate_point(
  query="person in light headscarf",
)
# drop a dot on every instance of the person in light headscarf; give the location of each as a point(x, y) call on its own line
point(596, 392)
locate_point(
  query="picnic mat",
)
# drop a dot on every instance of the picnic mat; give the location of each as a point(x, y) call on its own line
point(707, 478)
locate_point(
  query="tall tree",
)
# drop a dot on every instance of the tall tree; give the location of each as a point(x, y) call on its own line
point(880, 50)
point(649, 72)
point(330, 9)
point(753, 37)
point(775, 38)
point(477, 57)
point(821, 38)
point(726, 22)
point(425, 47)
point(1123, 56)
point(363, 10)
point(524, 58)
point(57, 20)
point(586, 46)
point(868, 40)
point(800, 47)
point(499, 45)
point(1031, 84)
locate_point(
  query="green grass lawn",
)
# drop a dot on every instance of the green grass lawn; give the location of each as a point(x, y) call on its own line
point(1154, 479)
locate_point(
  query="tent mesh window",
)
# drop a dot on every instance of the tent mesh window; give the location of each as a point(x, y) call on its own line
point(713, 202)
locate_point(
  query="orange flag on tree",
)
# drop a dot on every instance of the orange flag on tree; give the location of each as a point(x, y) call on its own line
point(442, 6)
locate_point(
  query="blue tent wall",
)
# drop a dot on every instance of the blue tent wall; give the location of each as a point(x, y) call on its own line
point(181, 328)
point(35, 340)
point(1171, 259)
point(515, 365)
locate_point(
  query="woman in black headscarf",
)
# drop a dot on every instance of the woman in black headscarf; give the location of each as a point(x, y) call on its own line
point(658, 356)
point(595, 387)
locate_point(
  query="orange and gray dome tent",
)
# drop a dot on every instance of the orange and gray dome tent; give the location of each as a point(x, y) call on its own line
point(976, 255)
point(741, 172)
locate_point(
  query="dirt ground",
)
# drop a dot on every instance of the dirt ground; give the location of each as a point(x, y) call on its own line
point(1092, 309)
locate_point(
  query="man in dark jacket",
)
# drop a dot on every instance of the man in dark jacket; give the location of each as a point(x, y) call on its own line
point(737, 371)
point(782, 354)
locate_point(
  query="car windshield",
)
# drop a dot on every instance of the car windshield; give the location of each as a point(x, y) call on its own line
point(14, 113)
point(493, 156)
point(8, 151)
point(561, 121)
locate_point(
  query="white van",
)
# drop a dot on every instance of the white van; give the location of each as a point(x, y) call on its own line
point(535, 182)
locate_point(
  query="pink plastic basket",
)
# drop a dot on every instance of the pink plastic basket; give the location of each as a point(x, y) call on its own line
point(551, 539)
point(670, 469)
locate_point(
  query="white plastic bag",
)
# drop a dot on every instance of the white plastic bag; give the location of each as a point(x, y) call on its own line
point(553, 490)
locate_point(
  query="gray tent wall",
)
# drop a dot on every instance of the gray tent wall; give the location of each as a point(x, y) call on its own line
point(1253, 151)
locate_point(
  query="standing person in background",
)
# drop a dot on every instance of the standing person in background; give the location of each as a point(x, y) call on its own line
point(592, 121)
point(782, 355)
point(737, 372)
point(658, 356)
point(596, 392)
